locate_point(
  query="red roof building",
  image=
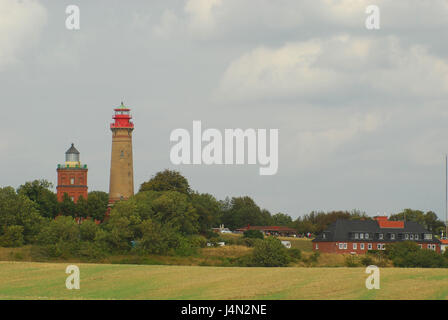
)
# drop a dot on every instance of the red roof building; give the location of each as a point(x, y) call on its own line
point(271, 230)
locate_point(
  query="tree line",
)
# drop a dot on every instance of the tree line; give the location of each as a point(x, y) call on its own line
point(165, 216)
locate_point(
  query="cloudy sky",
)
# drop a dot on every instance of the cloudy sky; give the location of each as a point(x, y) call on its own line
point(362, 114)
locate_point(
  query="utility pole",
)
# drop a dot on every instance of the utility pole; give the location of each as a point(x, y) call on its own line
point(446, 196)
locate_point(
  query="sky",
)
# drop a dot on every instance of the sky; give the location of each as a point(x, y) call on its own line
point(362, 114)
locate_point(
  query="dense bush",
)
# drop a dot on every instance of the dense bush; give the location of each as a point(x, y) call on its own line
point(367, 260)
point(18, 210)
point(12, 236)
point(352, 261)
point(255, 234)
point(295, 254)
point(407, 254)
point(157, 238)
point(269, 253)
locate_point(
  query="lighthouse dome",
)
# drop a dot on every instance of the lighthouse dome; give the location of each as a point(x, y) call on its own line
point(72, 154)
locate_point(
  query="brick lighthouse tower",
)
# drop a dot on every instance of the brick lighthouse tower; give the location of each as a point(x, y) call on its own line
point(72, 176)
point(121, 185)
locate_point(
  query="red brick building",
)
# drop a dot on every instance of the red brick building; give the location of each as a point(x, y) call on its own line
point(72, 176)
point(360, 236)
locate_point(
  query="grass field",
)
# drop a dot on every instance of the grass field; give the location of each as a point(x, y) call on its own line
point(31, 280)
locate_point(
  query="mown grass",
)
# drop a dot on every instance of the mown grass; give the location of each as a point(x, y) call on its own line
point(303, 244)
point(31, 280)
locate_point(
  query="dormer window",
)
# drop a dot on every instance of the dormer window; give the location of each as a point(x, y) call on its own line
point(356, 235)
point(406, 236)
point(380, 236)
point(361, 236)
point(392, 236)
point(411, 237)
point(367, 236)
point(428, 236)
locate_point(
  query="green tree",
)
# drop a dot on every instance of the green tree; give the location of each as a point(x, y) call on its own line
point(88, 230)
point(429, 219)
point(318, 221)
point(67, 207)
point(270, 253)
point(60, 237)
point(97, 203)
point(157, 238)
point(61, 229)
point(407, 254)
point(243, 211)
point(168, 180)
point(123, 225)
point(176, 209)
point(281, 219)
point(81, 207)
point(19, 210)
point(39, 192)
point(12, 236)
point(208, 210)
point(256, 234)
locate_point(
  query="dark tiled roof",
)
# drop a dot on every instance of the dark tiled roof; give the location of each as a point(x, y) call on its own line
point(72, 150)
point(342, 229)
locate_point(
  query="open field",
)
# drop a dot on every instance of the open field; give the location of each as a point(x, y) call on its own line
point(209, 256)
point(31, 280)
point(303, 244)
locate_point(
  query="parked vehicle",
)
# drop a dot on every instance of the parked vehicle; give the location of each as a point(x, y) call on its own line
point(287, 244)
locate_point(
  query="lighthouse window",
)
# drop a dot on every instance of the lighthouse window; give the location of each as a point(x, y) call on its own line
point(122, 154)
point(72, 180)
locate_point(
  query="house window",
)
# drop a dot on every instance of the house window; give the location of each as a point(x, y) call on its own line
point(378, 246)
point(369, 247)
point(411, 237)
point(380, 236)
point(345, 246)
point(406, 236)
point(341, 246)
point(392, 236)
point(367, 236)
point(416, 237)
point(317, 246)
point(355, 246)
point(428, 236)
point(323, 236)
point(362, 246)
point(356, 236)
point(420, 245)
point(361, 236)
